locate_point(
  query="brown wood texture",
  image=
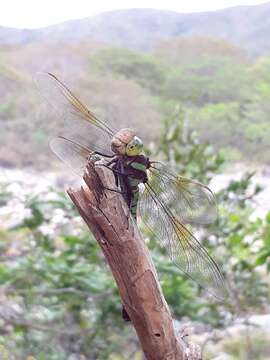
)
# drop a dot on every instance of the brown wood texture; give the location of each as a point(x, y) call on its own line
point(109, 219)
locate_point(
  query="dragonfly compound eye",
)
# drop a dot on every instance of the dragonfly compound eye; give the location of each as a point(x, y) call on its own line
point(134, 147)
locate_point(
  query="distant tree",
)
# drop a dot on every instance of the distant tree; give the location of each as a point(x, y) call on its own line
point(146, 70)
point(207, 80)
point(185, 50)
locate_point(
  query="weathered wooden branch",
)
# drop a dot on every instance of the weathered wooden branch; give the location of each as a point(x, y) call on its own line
point(108, 218)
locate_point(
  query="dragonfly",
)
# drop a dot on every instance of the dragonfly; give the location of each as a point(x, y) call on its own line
point(169, 204)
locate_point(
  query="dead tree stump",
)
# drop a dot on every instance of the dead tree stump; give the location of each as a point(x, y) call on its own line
point(108, 218)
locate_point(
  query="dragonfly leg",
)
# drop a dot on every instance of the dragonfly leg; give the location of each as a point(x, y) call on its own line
point(113, 161)
point(114, 190)
point(104, 155)
point(112, 169)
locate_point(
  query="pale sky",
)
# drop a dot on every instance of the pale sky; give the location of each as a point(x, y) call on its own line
point(39, 13)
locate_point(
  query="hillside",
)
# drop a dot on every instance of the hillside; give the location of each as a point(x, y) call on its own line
point(224, 93)
point(141, 29)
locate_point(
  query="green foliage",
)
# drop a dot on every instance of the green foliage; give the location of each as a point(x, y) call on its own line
point(180, 147)
point(219, 123)
point(263, 256)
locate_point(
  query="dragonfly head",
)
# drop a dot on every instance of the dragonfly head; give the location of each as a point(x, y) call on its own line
point(125, 142)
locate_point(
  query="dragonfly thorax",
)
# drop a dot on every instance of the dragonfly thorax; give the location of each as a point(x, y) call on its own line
point(125, 142)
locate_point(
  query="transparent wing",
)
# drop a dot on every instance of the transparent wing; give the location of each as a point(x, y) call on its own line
point(72, 119)
point(74, 155)
point(190, 201)
point(182, 246)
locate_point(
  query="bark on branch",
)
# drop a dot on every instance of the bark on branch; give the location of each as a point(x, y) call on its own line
point(108, 218)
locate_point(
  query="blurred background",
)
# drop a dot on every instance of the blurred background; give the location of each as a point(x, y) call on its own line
point(194, 80)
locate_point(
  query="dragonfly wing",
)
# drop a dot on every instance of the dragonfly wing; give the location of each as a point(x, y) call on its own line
point(75, 121)
point(64, 102)
point(190, 201)
point(182, 246)
point(71, 153)
point(87, 136)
